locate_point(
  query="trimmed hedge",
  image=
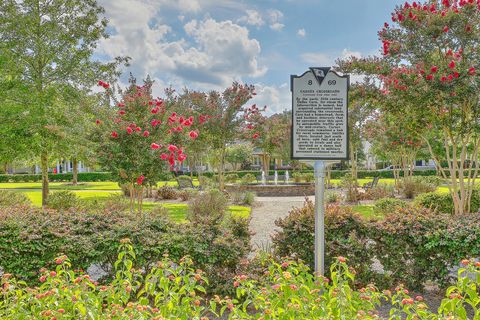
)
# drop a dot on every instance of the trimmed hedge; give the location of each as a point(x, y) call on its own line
point(31, 238)
point(414, 245)
point(335, 174)
point(107, 176)
point(65, 177)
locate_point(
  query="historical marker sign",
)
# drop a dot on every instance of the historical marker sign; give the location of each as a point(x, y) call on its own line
point(320, 115)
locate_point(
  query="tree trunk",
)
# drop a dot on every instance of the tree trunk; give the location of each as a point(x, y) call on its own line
point(75, 171)
point(353, 163)
point(266, 163)
point(221, 170)
point(44, 165)
point(5, 167)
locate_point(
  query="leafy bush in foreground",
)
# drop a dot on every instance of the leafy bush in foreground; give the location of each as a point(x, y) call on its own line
point(175, 290)
point(30, 238)
point(12, 198)
point(413, 245)
point(62, 200)
point(388, 205)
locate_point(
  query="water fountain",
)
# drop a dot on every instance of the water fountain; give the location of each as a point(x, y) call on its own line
point(275, 189)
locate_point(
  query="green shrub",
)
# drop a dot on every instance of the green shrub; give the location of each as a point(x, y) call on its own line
point(31, 238)
point(413, 186)
point(249, 198)
point(62, 200)
point(388, 205)
point(243, 198)
point(12, 198)
point(186, 180)
point(231, 177)
point(298, 177)
point(187, 194)
point(206, 182)
point(416, 245)
point(115, 203)
point(333, 197)
point(309, 177)
point(345, 231)
point(248, 178)
point(413, 245)
point(431, 180)
point(166, 193)
point(441, 202)
point(381, 191)
point(208, 207)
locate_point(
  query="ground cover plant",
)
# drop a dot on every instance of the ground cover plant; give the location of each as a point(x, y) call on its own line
point(175, 289)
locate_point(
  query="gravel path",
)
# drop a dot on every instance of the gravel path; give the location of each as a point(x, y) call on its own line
point(264, 214)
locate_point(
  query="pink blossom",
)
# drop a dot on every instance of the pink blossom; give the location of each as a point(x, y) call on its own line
point(193, 134)
point(155, 146)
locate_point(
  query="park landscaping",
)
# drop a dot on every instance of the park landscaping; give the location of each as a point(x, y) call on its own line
point(154, 235)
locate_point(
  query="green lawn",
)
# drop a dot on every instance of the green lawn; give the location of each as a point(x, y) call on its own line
point(107, 185)
point(366, 211)
point(177, 211)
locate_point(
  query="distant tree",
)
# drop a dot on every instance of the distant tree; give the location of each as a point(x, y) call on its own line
point(272, 135)
point(51, 42)
point(431, 59)
point(238, 153)
point(221, 117)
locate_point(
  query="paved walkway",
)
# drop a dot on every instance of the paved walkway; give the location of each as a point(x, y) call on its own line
point(264, 214)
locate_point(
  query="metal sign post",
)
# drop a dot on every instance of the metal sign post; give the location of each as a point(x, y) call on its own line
point(319, 217)
point(319, 133)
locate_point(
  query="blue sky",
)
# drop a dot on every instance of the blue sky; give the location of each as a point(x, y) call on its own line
point(207, 44)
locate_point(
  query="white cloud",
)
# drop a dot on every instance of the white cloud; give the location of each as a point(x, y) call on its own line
point(217, 52)
point(328, 59)
point(277, 26)
point(224, 51)
point(276, 98)
point(274, 17)
point(301, 33)
point(253, 18)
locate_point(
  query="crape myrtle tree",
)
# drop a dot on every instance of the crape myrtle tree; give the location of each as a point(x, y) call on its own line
point(270, 134)
point(52, 43)
point(392, 140)
point(221, 115)
point(362, 99)
point(143, 138)
point(431, 55)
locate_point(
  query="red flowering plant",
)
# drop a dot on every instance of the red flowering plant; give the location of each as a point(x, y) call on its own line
point(270, 134)
point(394, 140)
point(430, 57)
point(221, 117)
point(143, 138)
